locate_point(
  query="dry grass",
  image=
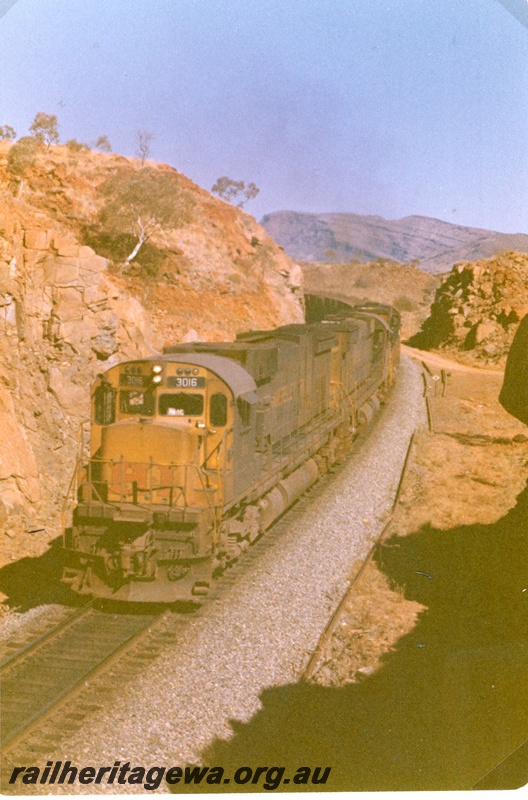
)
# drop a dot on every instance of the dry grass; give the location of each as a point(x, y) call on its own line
point(375, 617)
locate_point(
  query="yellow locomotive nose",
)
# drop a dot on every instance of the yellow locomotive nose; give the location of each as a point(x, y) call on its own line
point(145, 463)
point(146, 441)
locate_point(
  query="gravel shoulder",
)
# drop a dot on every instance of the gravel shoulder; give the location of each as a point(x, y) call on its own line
point(261, 631)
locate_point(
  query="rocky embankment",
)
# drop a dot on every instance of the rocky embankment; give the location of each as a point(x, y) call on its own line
point(67, 313)
point(477, 308)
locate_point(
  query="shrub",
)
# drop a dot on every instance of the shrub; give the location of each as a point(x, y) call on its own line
point(21, 156)
point(142, 203)
point(405, 303)
point(75, 146)
point(117, 246)
point(103, 144)
point(363, 282)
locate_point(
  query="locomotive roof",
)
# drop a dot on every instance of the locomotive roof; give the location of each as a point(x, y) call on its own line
point(231, 372)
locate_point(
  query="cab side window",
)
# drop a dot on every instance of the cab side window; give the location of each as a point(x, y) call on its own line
point(218, 410)
point(105, 404)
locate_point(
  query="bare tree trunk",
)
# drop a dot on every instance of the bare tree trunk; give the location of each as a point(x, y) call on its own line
point(135, 251)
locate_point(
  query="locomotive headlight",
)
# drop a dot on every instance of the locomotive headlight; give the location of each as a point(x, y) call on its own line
point(157, 369)
point(157, 379)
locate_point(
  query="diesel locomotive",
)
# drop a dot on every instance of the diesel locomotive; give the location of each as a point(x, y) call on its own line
point(195, 452)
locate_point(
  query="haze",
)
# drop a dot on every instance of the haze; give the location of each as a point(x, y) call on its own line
point(386, 107)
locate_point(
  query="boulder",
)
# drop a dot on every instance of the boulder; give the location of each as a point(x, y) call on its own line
point(66, 247)
point(295, 278)
point(93, 263)
point(484, 330)
point(104, 345)
point(71, 398)
point(191, 336)
point(69, 306)
point(36, 240)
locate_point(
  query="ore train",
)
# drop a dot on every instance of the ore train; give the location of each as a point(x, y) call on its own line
point(195, 452)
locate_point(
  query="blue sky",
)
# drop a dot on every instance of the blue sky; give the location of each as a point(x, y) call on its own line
point(388, 107)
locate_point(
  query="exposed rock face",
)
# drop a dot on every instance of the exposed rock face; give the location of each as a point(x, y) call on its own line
point(67, 313)
point(61, 316)
point(477, 308)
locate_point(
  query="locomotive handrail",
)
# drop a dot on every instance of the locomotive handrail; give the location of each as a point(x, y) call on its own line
point(346, 394)
point(72, 487)
point(308, 432)
point(150, 487)
point(218, 446)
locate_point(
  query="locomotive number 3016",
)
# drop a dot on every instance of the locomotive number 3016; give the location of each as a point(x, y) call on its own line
point(178, 382)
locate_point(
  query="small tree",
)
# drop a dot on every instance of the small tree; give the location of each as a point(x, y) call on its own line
point(7, 133)
point(142, 203)
point(229, 190)
point(21, 156)
point(45, 128)
point(103, 144)
point(144, 138)
point(250, 192)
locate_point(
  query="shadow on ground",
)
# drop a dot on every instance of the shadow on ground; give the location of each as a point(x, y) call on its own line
point(31, 582)
point(449, 704)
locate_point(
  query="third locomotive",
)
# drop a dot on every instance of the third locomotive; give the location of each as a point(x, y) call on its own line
point(194, 453)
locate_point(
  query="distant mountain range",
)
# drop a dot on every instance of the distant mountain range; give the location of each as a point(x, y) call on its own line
point(437, 245)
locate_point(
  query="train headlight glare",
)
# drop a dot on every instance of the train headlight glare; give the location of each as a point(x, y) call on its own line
point(157, 369)
point(156, 379)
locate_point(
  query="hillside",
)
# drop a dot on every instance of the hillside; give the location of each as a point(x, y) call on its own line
point(437, 245)
point(68, 312)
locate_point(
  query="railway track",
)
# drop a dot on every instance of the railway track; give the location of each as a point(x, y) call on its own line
point(38, 679)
